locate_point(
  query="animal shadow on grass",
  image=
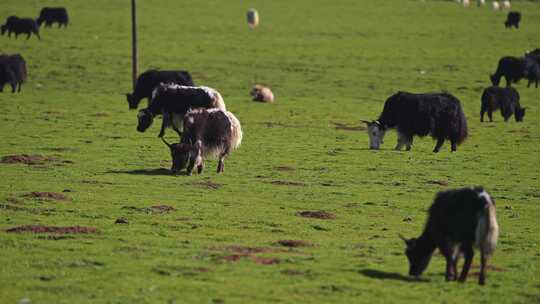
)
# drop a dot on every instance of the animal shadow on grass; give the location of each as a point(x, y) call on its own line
point(157, 171)
point(381, 275)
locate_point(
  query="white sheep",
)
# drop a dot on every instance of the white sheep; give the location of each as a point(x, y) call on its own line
point(506, 4)
point(495, 5)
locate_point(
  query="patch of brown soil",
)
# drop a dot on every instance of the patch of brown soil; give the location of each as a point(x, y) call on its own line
point(287, 183)
point(27, 159)
point(323, 215)
point(233, 257)
point(244, 250)
point(47, 195)
point(284, 168)
point(293, 243)
point(52, 229)
point(438, 182)
point(341, 126)
point(207, 185)
point(162, 208)
point(265, 261)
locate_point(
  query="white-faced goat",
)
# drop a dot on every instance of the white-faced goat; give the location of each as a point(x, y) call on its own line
point(174, 101)
point(458, 220)
point(438, 114)
point(207, 132)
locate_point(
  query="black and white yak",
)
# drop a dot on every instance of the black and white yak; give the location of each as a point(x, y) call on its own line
point(437, 114)
point(458, 220)
point(506, 99)
point(18, 26)
point(513, 69)
point(50, 15)
point(207, 133)
point(12, 71)
point(512, 19)
point(150, 79)
point(173, 102)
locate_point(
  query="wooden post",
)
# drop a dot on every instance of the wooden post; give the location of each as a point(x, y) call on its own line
point(134, 42)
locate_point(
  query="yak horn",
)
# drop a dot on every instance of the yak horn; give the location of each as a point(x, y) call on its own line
point(165, 142)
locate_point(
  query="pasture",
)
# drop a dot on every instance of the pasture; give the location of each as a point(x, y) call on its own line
point(162, 238)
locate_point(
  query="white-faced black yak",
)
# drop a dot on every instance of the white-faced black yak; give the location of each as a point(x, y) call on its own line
point(437, 114)
point(505, 99)
point(457, 220)
point(207, 133)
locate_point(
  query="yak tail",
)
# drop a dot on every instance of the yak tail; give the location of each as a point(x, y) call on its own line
point(236, 129)
point(461, 123)
point(487, 230)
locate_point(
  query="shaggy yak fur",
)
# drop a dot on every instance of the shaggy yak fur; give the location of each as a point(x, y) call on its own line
point(506, 99)
point(12, 71)
point(18, 26)
point(50, 15)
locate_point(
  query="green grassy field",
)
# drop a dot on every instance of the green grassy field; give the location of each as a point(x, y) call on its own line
point(330, 63)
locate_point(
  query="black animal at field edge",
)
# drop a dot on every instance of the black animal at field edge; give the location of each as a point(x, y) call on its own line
point(513, 69)
point(51, 15)
point(18, 26)
point(457, 220)
point(437, 114)
point(150, 79)
point(173, 102)
point(505, 99)
point(512, 19)
point(12, 71)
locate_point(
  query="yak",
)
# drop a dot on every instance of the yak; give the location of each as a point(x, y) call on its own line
point(50, 15)
point(18, 26)
point(505, 99)
point(512, 19)
point(12, 71)
point(437, 114)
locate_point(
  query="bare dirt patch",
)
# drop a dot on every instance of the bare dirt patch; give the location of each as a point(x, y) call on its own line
point(294, 243)
point(207, 185)
point(156, 209)
point(287, 183)
point(236, 253)
point(27, 159)
point(265, 261)
point(323, 215)
point(52, 229)
point(47, 196)
point(342, 126)
point(438, 182)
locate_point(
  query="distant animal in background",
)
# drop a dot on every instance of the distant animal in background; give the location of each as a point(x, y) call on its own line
point(262, 94)
point(458, 220)
point(505, 99)
point(437, 114)
point(513, 69)
point(18, 26)
point(150, 79)
point(51, 15)
point(173, 102)
point(480, 2)
point(512, 19)
point(466, 3)
point(506, 4)
point(207, 132)
point(495, 5)
point(12, 71)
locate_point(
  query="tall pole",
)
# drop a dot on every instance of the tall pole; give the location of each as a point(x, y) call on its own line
point(134, 42)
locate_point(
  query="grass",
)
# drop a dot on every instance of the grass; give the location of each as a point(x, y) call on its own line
point(328, 62)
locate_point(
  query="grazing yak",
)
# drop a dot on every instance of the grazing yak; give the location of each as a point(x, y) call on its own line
point(458, 220)
point(150, 79)
point(18, 26)
point(512, 19)
point(207, 132)
point(12, 71)
point(513, 69)
point(506, 99)
point(50, 15)
point(174, 101)
point(262, 94)
point(534, 54)
point(437, 114)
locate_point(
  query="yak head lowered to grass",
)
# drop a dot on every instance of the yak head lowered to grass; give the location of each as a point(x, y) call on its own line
point(376, 132)
point(145, 118)
point(185, 155)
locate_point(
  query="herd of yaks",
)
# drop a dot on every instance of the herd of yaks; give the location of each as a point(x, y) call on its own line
point(458, 219)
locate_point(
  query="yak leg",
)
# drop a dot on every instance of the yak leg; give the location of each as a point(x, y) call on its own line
point(164, 124)
point(439, 144)
point(468, 253)
point(448, 253)
point(13, 87)
point(490, 115)
point(20, 85)
point(453, 145)
point(482, 112)
point(28, 36)
point(402, 140)
point(483, 264)
point(221, 164)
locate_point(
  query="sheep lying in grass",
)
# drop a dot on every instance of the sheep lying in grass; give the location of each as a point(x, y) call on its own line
point(262, 94)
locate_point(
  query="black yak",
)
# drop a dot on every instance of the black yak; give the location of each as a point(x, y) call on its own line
point(512, 19)
point(513, 69)
point(12, 71)
point(150, 79)
point(18, 26)
point(532, 70)
point(438, 114)
point(50, 15)
point(506, 99)
point(458, 220)
point(207, 132)
point(173, 101)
